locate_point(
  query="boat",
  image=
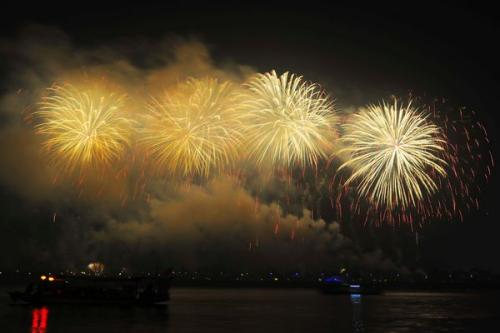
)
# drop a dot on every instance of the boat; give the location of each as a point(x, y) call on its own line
point(337, 285)
point(54, 289)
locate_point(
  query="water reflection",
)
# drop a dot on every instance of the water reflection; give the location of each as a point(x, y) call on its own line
point(357, 320)
point(106, 317)
point(39, 318)
point(256, 310)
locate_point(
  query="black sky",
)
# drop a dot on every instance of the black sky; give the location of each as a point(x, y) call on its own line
point(360, 53)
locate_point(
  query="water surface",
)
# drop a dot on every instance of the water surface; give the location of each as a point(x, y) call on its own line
point(267, 310)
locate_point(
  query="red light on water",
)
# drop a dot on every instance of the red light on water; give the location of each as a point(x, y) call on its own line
point(39, 319)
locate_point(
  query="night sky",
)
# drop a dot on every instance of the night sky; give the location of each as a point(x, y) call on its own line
point(359, 54)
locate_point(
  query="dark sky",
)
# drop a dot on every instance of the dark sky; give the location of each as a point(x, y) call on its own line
point(361, 53)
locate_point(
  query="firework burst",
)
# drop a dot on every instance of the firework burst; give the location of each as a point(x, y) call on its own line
point(289, 122)
point(395, 155)
point(195, 130)
point(83, 128)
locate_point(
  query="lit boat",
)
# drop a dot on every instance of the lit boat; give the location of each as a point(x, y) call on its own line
point(336, 285)
point(51, 289)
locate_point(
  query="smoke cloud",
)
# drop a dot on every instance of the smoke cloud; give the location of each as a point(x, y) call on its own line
point(213, 225)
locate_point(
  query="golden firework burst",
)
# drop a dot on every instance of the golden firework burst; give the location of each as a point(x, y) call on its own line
point(83, 127)
point(194, 130)
point(394, 153)
point(289, 122)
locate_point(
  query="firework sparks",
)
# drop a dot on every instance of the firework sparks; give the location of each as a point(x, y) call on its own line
point(394, 154)
point(289, 122)
point(468, 157)
point(83, 127)
point(195, 130)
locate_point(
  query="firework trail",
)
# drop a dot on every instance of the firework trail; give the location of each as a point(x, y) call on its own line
point(289, 122)
point(195, 130)
point(469, 160)
point(83, 128)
